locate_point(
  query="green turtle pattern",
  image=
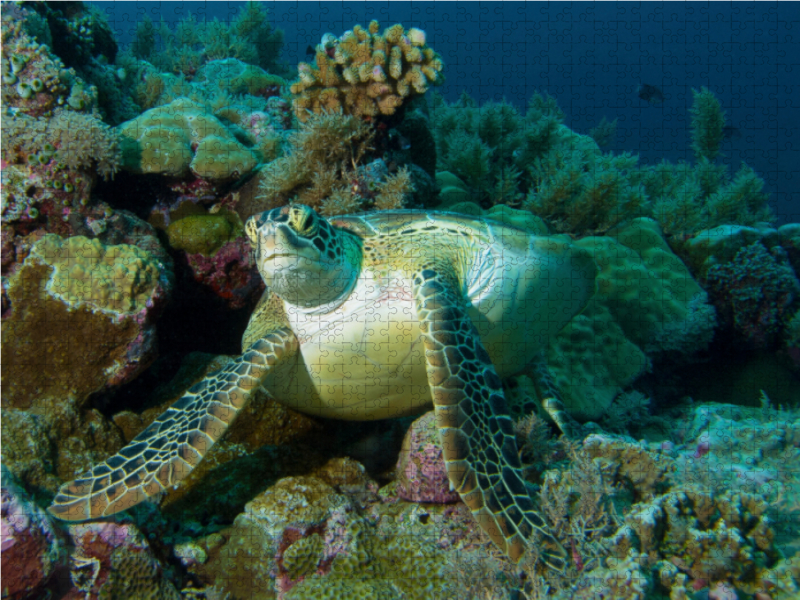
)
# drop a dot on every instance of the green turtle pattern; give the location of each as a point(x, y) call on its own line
point(374, 316)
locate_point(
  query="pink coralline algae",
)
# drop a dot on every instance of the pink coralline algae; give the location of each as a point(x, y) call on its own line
point(421, 472)
point(112, 560)
point(230, 273)
point(31, 547)
point(755, 293)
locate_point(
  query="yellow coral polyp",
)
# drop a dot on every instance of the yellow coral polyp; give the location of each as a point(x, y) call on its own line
point(394, 34)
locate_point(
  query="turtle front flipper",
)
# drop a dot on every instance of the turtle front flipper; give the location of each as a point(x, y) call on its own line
point(475, 430)
point(170, 447)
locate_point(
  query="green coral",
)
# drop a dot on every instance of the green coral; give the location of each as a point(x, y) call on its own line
point(249, 37)
point(708, 121)
point(647, 305)
point(579, 191)
point(114, 279)
point(536, 162)
point(183, 135)
point(301, 558)
point(201, 233)
point(495, 150)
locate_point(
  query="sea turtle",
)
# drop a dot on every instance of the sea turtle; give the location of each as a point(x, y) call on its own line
point(374, 316)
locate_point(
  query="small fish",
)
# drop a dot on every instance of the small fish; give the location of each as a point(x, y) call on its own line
point(310, 51)
point(729, 132)
point(398, 142)
point(650, 94)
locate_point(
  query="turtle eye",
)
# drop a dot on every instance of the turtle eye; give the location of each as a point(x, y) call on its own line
point(303, 220)
point(251, 230)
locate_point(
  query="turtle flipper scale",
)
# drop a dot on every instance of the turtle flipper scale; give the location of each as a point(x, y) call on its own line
point(170, 447)
point(475, 430)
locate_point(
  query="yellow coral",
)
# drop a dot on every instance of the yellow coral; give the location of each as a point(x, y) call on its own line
point(106, 278)
point(401, 64)
point(301, 558)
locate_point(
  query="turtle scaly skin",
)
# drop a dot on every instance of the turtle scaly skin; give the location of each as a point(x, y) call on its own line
point(375, 316)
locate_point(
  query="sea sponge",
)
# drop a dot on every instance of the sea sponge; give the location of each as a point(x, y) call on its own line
point(352, 73)
point(182, 136)
point(200, 233)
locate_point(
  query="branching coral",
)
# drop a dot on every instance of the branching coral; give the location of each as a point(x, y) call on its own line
point(365, 73)
point(708, 121)
point(577, 194)
point(249, 38)
point(496, 151)
point(323, 169)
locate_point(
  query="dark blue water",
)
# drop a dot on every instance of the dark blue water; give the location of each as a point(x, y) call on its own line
point(591, 58)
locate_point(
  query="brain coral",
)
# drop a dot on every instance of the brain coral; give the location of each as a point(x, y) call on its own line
point(180, 137)
point(80, 320)
point(365, 73)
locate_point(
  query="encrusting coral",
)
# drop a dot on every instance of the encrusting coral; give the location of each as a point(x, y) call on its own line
point(366, 73)
point(80, 319)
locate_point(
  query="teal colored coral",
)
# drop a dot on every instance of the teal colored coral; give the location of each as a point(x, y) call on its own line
point(708, 119)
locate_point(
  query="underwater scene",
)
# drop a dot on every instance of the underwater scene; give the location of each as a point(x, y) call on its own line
point(491, 301)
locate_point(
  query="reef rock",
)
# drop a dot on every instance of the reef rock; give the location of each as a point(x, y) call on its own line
point(80, 319)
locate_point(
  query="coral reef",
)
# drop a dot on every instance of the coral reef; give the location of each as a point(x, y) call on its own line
point(111, 561)
point(81, 319)
point(249, 37)
point(32, 548)
point(230, 273)
point(324, 170)
point(366, 73)
point(183, 138)
point(708, 120)
point(421, 474)
point(647, 307)
point(34, 81)
point(755, 293)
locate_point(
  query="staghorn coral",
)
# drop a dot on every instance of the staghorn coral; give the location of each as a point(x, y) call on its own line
point(366, 74)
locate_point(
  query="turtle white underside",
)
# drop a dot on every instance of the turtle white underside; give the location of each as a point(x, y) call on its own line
point(364, 359)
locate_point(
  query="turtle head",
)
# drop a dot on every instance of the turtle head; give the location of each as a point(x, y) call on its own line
point(301, 257)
